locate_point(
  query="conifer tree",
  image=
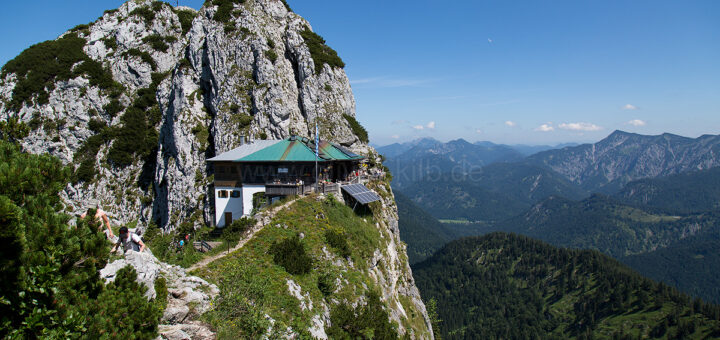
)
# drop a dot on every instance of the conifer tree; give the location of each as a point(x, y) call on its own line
point(49, 270)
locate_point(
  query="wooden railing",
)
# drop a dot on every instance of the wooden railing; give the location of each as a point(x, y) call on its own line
point(282, 189)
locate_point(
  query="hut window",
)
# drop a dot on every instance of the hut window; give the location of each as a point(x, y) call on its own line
point(235, 194)
point(223, 194)
point(221, 169)
point(233, 170)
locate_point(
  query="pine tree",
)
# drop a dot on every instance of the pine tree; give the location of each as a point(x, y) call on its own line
point(49, 269)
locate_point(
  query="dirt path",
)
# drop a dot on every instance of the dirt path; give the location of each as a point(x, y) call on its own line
point(248, 236)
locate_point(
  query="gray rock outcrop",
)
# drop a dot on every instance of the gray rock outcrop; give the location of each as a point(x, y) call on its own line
point(188, 296)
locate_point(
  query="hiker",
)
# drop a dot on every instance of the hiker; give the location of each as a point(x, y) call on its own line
point(129, 241)
point(102, 216)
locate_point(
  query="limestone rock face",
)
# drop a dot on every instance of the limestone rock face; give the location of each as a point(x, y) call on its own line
point(252, 75)
point(186, 85)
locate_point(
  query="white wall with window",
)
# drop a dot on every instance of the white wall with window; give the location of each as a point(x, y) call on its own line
point(228, 205)
point(234, 203)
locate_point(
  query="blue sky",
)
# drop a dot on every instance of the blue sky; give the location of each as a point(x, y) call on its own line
point(530, 72)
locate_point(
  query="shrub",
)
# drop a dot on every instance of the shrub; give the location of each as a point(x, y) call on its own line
point(202, 135)
point(272, 55)
point(110, 42)
point(145, 12)
point(233, 233)
point(144, 56)
point(41, 65)
point(320, 52)
point(326, 284)
point(157, 5)
point(225, 9)
point(122, 310)
point(113, 107)
point(263, 135)
point(138, 136)
point(157, 42)
point(357, 129)
point(371, 320)
point(290, 254)
point(13, 130)
point(83, 28)
point(161, 293)
point(186, 18)
point(286, 5)
point(338, 241)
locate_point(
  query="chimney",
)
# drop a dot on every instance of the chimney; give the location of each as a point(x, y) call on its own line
point(242, 140)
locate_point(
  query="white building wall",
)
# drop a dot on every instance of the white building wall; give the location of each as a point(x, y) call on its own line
point(229, 204)
point(247, 196)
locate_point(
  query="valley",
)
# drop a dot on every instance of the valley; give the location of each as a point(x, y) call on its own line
point(663, 226)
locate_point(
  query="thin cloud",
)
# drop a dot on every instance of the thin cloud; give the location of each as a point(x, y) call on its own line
point(580, 127)
point(395, 137)
point(629, 107)
point(510, 123)
point(388, 82)
point(418, 127)
point(430, 125)
point(545, 128)
point(637, 122)
point(479, 131)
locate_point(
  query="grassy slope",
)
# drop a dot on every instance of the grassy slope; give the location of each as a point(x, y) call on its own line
point(252, 266)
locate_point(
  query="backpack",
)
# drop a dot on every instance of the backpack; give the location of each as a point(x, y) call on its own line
point(130, 244)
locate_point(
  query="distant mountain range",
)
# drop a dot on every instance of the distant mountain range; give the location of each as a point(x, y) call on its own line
point(423, 159)
point(657, 206)
point(458, 180)
point(622, 157)
point(392, 150)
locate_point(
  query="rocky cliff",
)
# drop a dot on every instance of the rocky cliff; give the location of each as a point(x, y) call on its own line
point(139, 99)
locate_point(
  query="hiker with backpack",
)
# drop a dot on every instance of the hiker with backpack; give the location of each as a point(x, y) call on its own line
point(128, 241)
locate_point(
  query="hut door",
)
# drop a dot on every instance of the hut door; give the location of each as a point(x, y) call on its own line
point(228, 219)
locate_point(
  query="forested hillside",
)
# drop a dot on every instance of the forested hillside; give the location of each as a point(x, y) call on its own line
point(422, 233)
point(692, 265)
point(495, 192)
point(504, 286)
point(681, 193)
point(599, 222)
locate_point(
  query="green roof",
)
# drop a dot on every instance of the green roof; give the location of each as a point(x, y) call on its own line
point(296, 149)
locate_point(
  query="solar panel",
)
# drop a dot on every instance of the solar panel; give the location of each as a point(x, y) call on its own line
point(361, 193)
